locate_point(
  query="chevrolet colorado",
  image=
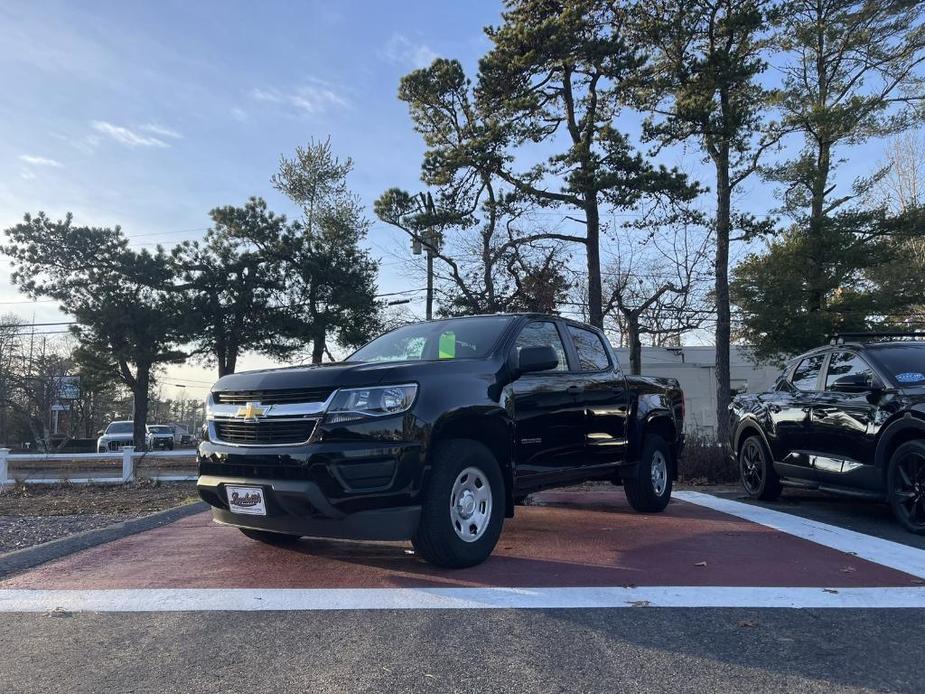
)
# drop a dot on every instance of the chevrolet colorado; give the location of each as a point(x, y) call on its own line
point(433, 432)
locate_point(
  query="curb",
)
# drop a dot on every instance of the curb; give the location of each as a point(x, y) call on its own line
point(29, 557)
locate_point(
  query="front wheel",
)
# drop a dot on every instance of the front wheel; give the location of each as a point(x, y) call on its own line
point(759, 479)
point(906, 486)
point(650, 490)
point(463, 508)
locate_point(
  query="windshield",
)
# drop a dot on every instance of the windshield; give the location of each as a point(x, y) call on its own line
point(160, 430)
point(119, 428)
point(461, 338)
point(905, 364)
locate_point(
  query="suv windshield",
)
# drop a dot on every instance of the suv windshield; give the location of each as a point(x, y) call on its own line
point(119, 428)
point(461, 338)
point(160, 430)
point(905, 364)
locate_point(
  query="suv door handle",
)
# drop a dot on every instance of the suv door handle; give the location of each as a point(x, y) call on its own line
point(574, 390)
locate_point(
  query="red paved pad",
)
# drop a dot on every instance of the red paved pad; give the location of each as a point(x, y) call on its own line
point(585, 539)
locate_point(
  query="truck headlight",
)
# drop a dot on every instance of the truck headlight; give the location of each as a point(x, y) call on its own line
point(350, 404)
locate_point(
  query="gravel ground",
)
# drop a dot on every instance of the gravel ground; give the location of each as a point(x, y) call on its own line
point(30, 515)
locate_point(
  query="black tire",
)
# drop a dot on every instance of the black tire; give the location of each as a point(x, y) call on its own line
point(906, 485)
point(756, 470)
point(438, 538)
point(170, 446)
point(650, 490)
point(269, 537)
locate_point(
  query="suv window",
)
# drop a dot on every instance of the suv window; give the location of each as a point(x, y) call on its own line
point(540, 334)
point(807, 372)
point(592, 355)
point(845, 364)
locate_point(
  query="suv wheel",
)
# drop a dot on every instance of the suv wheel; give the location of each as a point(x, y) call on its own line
point(269, 537)
point(756, 471)
point(463, 508)
point(650, 490)
point(906, 485)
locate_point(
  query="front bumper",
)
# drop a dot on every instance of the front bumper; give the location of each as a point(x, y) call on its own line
point(356, 490)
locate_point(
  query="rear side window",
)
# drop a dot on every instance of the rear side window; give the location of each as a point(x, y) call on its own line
point(592, 355)
point(541, 334)
point(845, 364)
point(806, 374)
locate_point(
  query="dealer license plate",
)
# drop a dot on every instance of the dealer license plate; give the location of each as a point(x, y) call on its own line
point(246, 500)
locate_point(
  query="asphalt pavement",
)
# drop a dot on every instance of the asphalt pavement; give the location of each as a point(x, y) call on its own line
point(572, 541)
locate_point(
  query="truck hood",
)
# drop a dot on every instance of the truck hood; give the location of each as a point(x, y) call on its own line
point(350, 374)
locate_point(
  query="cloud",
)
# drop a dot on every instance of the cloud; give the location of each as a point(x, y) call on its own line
point(127, 137)
point(36, 160)
point(239, 114)
point(316, 97)
point(161, 130)
point(402, 50)
point(27, 175)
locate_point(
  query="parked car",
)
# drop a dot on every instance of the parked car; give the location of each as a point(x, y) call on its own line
point(847, 418)
point(115, 436)
point(433, 432)
point(159, 437)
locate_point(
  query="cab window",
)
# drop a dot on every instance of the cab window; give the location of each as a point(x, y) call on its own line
point(592, 355)
point(806, 375)
point(540, 334)
point(845, 364)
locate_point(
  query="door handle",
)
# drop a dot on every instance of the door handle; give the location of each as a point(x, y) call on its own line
point(574, 390)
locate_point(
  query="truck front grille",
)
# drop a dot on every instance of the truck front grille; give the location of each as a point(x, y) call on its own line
point(267, 432)
point(272, 397)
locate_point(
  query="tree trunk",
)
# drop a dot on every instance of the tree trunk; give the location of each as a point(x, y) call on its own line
point(593, 252)
point(318, 346)
point(816, 298)
point(140, 405)
point(634, 343)
point(723, 331)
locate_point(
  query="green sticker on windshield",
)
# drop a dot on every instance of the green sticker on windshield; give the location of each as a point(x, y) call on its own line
point(446, 348)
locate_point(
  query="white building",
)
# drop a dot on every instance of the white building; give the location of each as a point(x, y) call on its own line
point(695, 369)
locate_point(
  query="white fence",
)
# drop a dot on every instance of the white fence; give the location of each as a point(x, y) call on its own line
point(128, 455)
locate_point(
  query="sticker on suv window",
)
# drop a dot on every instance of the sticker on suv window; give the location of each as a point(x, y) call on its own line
point(910, 377)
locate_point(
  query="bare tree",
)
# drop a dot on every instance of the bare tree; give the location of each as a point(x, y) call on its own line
point(659, 287)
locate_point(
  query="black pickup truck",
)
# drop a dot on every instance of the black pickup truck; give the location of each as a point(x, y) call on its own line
point(434, 432)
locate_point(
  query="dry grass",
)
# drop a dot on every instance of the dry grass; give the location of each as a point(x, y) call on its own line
point(705, 461)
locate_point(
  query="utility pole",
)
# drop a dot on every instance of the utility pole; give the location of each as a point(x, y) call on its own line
point(429, 239)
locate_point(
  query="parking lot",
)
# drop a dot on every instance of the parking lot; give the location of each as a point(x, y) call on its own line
point(580, 592)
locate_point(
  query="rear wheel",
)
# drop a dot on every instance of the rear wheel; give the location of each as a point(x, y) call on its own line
point(650, 490)
point(756, 470)
point(906, 486)
point(269, 537)
point(463, 508)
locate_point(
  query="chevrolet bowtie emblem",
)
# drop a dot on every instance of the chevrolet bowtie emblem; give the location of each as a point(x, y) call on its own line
point(251, 411)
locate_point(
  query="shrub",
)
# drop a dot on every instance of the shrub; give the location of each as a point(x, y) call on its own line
point(704, 461)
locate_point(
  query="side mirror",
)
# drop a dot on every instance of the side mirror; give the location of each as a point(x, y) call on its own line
point(856, 383)
point(99, 433)
point(532, 359)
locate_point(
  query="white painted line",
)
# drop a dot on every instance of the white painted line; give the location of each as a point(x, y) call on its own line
point(884, 552)
point(223, 599)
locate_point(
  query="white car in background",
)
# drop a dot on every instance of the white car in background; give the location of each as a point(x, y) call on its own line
point(159, 437)
point(116, 435)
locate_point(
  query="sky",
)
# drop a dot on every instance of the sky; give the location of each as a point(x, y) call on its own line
point(149, 114)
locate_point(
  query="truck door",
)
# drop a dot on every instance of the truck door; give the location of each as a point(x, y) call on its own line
point(604, 397)
point(549, 436)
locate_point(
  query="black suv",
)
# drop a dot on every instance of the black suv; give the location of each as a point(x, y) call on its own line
point(846, 418)
point(433, 432)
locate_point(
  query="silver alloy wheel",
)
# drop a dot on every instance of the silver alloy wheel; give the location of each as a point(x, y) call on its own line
point(470, 504)
point(659, 473)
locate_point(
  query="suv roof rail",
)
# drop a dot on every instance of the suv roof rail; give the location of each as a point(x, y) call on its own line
point(842, 338)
